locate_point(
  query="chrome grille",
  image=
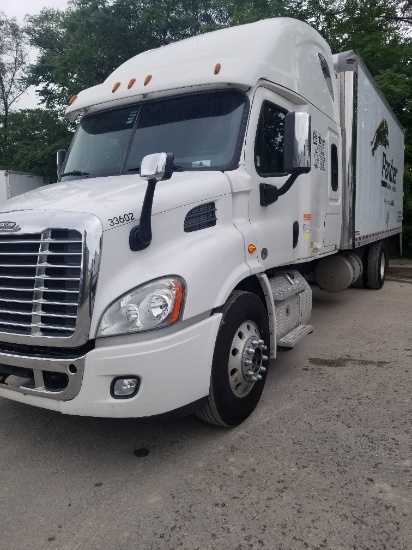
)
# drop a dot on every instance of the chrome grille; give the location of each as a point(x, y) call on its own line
point(40, 281)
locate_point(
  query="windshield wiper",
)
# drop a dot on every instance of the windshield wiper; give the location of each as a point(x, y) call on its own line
point(76, 173)
point(175, 169)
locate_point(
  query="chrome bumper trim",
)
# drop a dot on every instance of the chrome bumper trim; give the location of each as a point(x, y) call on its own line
point(73, 368)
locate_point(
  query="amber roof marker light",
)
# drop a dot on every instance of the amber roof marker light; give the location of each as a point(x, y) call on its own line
point(115, 87)
point(147, 79)
point(72, 99)
point(218, 66)
point(131, 82)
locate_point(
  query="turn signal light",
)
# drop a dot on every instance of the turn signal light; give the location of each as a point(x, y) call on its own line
point(251, 248)
point(178, 302)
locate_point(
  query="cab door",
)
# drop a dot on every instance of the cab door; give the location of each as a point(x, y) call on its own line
point(277, 228)
point(333, 218)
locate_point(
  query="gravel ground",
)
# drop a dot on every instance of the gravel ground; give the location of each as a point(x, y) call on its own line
point(324, 462)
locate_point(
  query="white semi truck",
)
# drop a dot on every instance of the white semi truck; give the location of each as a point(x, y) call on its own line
point(206, 180)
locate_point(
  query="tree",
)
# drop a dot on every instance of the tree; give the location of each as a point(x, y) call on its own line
point(34, 137)
point(247, 11)
point(13, 60)
point(404, 14)
point(376, 30)
point(80, 47)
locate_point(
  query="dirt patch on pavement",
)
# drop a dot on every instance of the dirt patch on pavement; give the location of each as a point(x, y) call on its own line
point(400, 270)
point(344, 362)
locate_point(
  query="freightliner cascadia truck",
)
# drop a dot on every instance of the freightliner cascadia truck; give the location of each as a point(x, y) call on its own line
point(207, 181)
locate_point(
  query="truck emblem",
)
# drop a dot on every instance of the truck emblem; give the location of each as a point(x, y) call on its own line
point(381, 136)
point(9, 226)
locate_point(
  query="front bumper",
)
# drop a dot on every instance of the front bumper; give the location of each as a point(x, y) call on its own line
point(174, 371)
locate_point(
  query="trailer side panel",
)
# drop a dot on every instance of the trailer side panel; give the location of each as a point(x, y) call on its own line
point(379, 166)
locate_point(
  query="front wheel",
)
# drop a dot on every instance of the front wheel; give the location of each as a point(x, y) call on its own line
point(239, 361)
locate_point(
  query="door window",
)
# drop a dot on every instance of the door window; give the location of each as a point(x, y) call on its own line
point(334, 168)
point(270, 141)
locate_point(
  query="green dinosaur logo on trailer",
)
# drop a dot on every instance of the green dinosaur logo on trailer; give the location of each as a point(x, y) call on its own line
point(381, 136)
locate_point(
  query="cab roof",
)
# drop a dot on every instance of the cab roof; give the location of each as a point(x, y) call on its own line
point(283, 51)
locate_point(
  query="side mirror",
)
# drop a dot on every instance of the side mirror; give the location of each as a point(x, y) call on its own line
point(157, 167)
point(154, 168)
point(61, 155)
point(297, 150)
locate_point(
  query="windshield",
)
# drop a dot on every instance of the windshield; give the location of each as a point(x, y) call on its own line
point(202, 130)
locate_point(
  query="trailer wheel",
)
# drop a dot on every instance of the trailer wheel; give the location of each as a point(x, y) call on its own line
point(362, 280)
point(239, 361)
point(377, 265)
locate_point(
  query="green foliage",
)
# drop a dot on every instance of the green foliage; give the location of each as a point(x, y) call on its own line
point(13, 59)
point(378, 30)
point(407, 202)
point(80, 47)
point(375, 31)
point(34, 137)
point(12, 64)
point(239, 12)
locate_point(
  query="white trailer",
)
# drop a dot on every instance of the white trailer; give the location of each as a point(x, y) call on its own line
point(373, 145)
point(206, 178)
point(15, 183)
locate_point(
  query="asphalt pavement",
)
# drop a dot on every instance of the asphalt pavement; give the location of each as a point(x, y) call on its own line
point(324, 462)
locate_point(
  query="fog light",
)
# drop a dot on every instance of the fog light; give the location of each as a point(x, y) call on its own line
point(123, 388)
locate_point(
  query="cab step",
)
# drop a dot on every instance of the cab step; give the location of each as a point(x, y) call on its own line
point(294, 336)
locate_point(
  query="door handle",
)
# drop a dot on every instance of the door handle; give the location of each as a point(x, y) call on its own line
point(295, 231)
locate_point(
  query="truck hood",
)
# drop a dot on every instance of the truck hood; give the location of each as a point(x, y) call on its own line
point(115, 196)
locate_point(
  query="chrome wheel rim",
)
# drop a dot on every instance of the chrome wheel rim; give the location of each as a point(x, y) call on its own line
point(382, 266)
point(246, 358)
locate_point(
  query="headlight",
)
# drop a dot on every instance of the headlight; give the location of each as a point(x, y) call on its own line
point(153, 305)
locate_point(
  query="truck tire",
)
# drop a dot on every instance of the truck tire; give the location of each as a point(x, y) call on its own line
point(362, 280)
point(377, 265)
point(239, 361)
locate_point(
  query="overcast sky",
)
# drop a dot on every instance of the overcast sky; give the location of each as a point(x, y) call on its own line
point(18, 9)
